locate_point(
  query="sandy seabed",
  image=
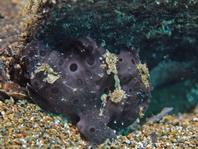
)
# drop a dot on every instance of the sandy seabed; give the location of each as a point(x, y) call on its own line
point(25, 125)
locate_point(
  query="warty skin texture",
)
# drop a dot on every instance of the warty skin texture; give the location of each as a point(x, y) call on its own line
point(72, 80)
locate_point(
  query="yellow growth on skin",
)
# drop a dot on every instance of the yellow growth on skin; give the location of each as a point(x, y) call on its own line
point(51, 77)
point(144, 73)
point(111, 60)
point(141, 112)
point(118, 94)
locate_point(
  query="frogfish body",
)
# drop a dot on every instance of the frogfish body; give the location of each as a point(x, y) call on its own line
point(96, 90)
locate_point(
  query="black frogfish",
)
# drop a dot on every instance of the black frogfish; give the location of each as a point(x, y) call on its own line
point(98, 91)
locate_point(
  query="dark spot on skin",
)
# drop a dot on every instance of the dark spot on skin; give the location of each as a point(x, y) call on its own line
point(60, 62)
point(120, 59)
point(106, 90)
point(92, 129)
point(75, 101)
point(35, 83)
point(90, 60)
point(79, 82)
point(42, 53)
point(130, 90)
point(73, 67)
point(133, 62)
point(89, 118)
point(39, 75)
